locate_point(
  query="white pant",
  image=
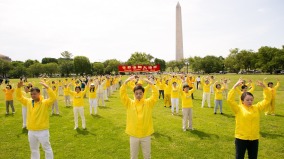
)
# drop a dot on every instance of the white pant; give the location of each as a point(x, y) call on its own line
point(187, 118)
point(35, 139)
point(67, 100)
point(101, 98)
point(93, 104)
point(45, 94)
point(24, 114)
point(108, 91)
point(79, 110)
point(105, 95)
point(60, 90)
point(175, 102)
point(55, 106)
point(206, 96)
point(145, 145)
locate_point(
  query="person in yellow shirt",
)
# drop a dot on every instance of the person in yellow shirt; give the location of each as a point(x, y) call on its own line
point(206, 84)
point(55, 103)
point(271, 109)
point(37, 119)
point(187, 105)
point(247, 120)
point(9, 98)
point(66, 96)
point(167, 89)
point(190, 81)
point(60, 88)
point(93, 99)
point(78, 105)
point(218, 90)
point(100, 92)
point(225, 84)
point(175, 90)
point(139, 124)
point(161, 88)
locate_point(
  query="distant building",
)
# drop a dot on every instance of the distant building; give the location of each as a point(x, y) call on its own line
point(3, 57)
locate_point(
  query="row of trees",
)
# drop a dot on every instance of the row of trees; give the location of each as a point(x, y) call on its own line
point(267, 59)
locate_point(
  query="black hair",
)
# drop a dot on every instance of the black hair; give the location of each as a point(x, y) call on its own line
point(218, 85)
point(269, 83)
point(138, 87)
point(92, 89)
point(174, 82)
point(244, 87)
point(9, 86)
point(77, 87)
point(35, 89)
point(246, 94)
point(185, 86)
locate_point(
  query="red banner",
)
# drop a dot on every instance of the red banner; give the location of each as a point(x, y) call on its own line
point(138, 68)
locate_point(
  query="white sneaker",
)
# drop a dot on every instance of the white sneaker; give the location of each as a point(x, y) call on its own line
point(75, 128)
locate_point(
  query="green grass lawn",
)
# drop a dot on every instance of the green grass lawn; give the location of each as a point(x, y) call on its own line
point(213, 137)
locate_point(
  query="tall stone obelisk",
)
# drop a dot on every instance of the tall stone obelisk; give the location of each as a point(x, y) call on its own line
point(179, 40)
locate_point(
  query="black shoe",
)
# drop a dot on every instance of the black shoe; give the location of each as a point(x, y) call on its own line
point(165, 106)
point(215, 113)
point(170, 106)
point(222, 113)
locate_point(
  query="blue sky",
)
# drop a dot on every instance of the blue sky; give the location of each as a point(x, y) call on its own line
point(100, 30)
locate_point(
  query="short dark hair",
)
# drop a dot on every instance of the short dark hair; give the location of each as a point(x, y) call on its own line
point(244, 87)
point(185, 86)
point(139, 87)
point(269, 83)
point(218, 85)
point(246, 94)
point(10, 86)
point(35, 89)
point(77, 87)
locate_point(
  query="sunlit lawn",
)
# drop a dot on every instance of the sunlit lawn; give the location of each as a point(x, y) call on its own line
point(213, 137)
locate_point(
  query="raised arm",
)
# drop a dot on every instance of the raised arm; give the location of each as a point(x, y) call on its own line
point(52, 97)
point(277, 85)
point(262, 105)
point(154, 97)
point(231, 97)
point(123, 92)
point(23, 100)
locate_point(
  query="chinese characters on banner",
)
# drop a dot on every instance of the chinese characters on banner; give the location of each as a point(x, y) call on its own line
point(138, 68)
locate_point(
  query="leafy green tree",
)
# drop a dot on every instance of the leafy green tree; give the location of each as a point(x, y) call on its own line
point(98, 68)
point(5, 67)
point(35, 69)
point(267, 58)
point(29, 62)
point(17, 69)
point(66, 55)
point(162, 64)
point(139, 58)
point(49, 60)
point(82, 65)
point(232, 62)
point(50, 68)
point(66, 67)
point(111, 65)
point(211, 64)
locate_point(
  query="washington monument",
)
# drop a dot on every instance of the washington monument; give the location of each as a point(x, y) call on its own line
point(179, 41)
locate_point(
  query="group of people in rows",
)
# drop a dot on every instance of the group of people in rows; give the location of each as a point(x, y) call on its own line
point(139, 127)
point(174, 87)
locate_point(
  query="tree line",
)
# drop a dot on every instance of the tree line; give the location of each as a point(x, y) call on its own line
point(266, 59)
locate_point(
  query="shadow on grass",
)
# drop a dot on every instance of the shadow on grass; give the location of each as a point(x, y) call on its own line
point(228, 116)
point(104, 107)
point(24, 132)
point(112, 97)
point(203, 135)
point(197, 99)
point(159, 135)
point(96, 116)
point(278, 115)
point(56, 115)
point(83, 132)
point(9, 115)
point(269, 135)
point(68, 107)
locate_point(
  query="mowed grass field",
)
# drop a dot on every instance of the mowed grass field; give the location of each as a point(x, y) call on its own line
point(213, 137)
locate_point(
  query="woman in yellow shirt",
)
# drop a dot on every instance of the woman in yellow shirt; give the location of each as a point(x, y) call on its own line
point(187, 107)
point(218, 90)
point(93, 99)
point(271, 109)
point(175, 90)
point(139, 124)
point(9, 98)
point(206, 84)
point(247, 120)
point(78, 105)
point(55, 103)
